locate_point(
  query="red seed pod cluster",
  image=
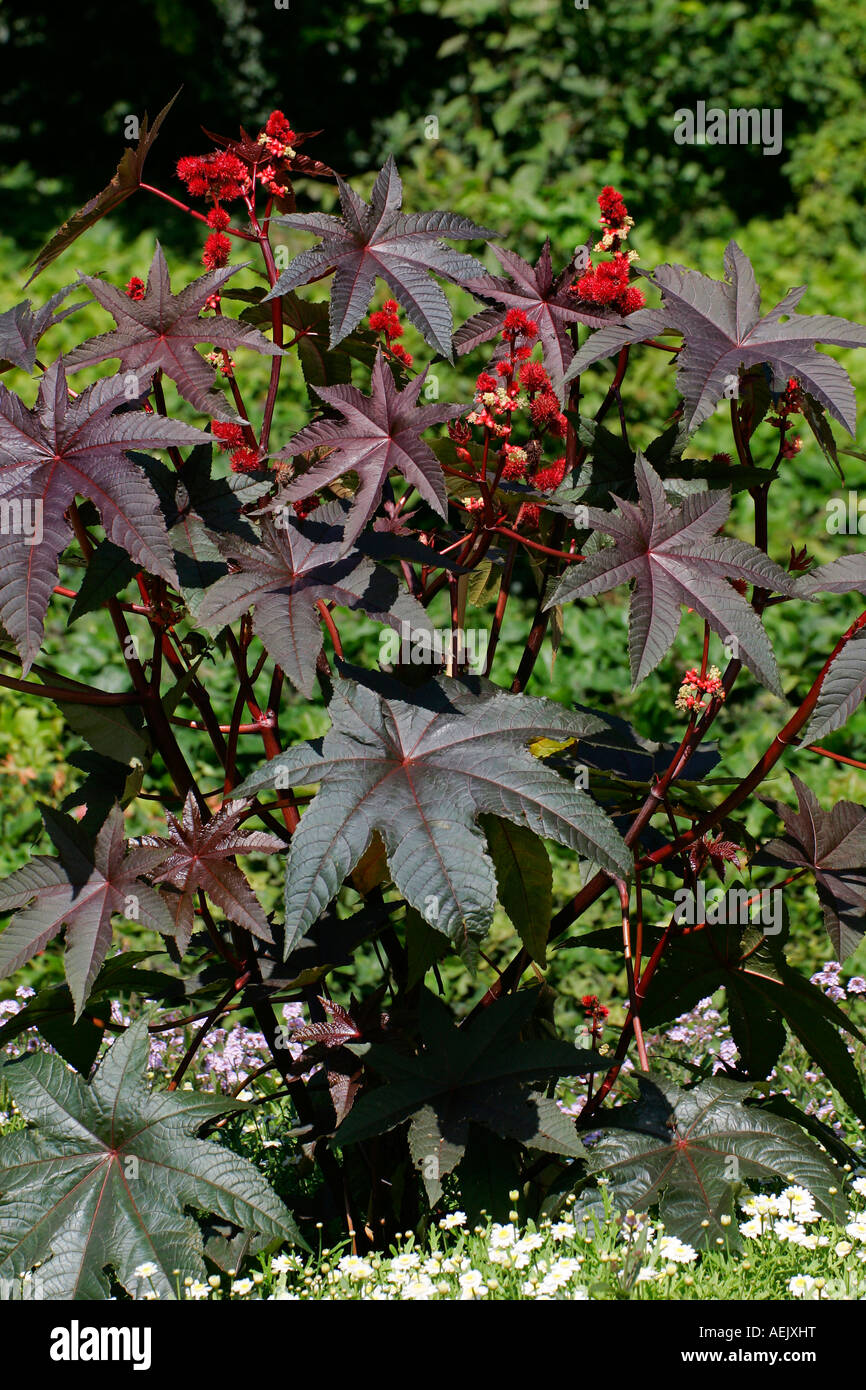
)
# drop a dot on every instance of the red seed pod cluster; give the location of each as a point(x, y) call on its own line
point(608, 282)
point(220, 176)
point(386, 322)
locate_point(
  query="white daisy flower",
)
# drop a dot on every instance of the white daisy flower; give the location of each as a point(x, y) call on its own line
point(452, 1220)
point(353, 1267)
point(800, 1285)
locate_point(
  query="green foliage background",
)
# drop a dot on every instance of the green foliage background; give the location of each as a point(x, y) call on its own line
point(538, 105)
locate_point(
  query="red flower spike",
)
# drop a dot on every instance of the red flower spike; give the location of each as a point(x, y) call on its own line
point(534, 377)
point(613, 209)
point(544, 408)
point(220, 176)
point(245, 461)
point(135, 288)
point(218, 219)
point(548, 479)
point(216, 251)
point(227, 435)
point(278, 128)
point(517, 322)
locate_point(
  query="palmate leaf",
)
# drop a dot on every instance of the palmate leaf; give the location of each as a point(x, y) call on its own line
point(378, 433)
point(52, 1010)
point(200, 855)
point(126, 181)
point(107, 1174)
point(843, 576)
point(763, 994)
point(481, 1074)
point(710, 1144)
point(377, 239)
point(541, 295)
point(62, 449)
point(420, 768)
point(832, 844)
point(842, 691)
point(160, 331)
point(21, 329)
point(283, 578)
point(81, 890)
point(675, 558)
point(723, 328)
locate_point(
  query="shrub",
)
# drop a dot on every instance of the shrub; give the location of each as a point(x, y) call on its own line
point(315, 569)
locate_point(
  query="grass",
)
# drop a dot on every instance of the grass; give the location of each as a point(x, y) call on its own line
point(624, 1257)
point(782, 1252)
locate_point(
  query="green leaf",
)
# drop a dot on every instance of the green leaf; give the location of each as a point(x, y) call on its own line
point(469, 755)
point(111, 730)
point(436, 1148)
point(81, 891)
point(763, 993)
point(52, 1010)
point(813, 414)
point(524, 880)
point(425, 946)
point(322, 365)
point(108, 572)
point(693, 1163)
point(477, 1075)
point(106, 1176)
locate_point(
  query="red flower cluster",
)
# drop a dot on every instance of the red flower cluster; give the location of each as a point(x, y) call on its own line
point(790, 403)
point(216, 251)
point(545, 414)
point(518, 324)
point(607, 283)
point(220, 176)
point(548, 479)
point(227, 435)
point(533, 376)
point(386, 322)
point(279, 135)
point(135, 288)
point(306, 505)
point(695, 686)
point(278, 139)
point(218, 218)
point(230, 438)
point(593, 1008)
point(614, 213)
point(516, 463)
point(245, 461)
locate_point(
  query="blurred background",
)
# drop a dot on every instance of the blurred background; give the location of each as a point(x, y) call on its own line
point(533, 106)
